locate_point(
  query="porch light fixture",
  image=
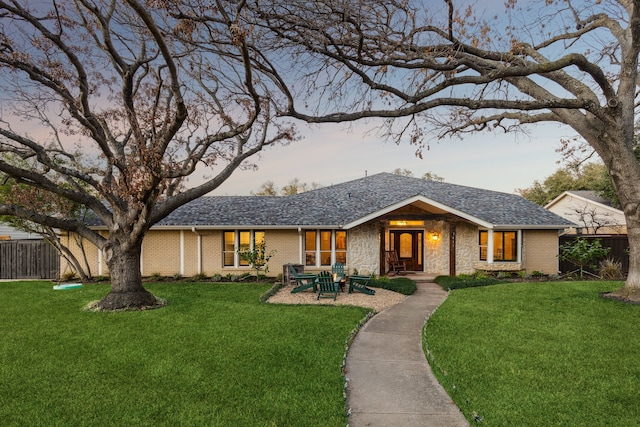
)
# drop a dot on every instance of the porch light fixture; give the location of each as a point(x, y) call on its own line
point(435, 237)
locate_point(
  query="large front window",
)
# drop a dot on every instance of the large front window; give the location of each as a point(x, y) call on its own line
point(505, 245)
point(238, 241)
point(325, 247)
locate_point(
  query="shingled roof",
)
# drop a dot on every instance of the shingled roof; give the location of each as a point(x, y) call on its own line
point(347, 204)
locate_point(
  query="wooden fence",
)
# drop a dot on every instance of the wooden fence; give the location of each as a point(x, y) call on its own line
point(28, 259)
point(619, 245)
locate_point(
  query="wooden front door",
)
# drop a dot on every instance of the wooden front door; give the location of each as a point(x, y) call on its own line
point(409, 246)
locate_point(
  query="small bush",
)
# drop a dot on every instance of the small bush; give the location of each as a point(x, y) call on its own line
point(200, 277)
point(503, 275)
point(479, 274)
point(156, 277)
point(610, 269)
point(402, 285)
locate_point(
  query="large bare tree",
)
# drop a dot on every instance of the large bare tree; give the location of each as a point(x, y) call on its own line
point(454, 68)
point(147, 95)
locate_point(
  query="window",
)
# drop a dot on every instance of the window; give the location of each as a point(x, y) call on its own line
point(325, 247)
point(238, 241)
point(341, 247)
point(505, 245)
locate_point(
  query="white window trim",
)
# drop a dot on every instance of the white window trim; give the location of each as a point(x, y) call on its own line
point(303, 251)
point(236, 246)
point(519, 244)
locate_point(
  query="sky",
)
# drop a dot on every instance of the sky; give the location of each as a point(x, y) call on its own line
point(332, 154)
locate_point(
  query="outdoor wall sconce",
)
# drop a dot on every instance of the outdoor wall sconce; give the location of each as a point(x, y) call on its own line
point(435, 237)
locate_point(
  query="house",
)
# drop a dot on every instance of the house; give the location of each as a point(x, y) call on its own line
point(591, 213)
point(435, 227)
point(10, 233)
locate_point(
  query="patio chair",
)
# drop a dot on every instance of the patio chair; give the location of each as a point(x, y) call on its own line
point(303, 281)
point(338, 271)
point(359, 284)
point(394, 264)
point(327, 286)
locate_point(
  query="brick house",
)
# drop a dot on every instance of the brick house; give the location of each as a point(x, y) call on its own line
point(435, 227)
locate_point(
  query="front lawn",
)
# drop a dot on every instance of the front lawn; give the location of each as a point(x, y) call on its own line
point(538, 354)
point(214, 356)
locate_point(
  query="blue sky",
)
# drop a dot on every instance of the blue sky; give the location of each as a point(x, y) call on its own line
point(331, 154)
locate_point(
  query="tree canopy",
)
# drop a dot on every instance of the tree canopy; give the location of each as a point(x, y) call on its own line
point(113, 105)
point(591, 176)
point(457, 69)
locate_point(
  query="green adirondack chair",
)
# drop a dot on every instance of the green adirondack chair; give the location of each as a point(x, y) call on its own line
point(359, 284)
point(304, 281)
point(327, 286)
point(338, 270)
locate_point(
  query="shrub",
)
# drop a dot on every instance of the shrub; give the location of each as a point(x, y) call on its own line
point(583, 254)
point(465, 281)
point(610, 269)
point(199, 277)
point(503, 275)
point(402, 285)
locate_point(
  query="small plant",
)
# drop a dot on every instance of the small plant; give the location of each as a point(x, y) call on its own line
point(177, 276)
point(610, 269)
point(537, 273)
point(199, 277)
point(479, 274)
point(583, 254)
point(216, 277)
point(522, 274)
point(258, 258)
point(99, 279)
point(503, 275)
point(156, 277)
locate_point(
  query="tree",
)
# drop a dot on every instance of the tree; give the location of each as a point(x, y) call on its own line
point(149, 94)
point(427, 176)
point(268, 188)
point(295, 186)
point(460, 70)
point(42, 201)
point(591, 176)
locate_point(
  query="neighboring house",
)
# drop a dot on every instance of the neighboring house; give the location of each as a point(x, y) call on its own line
point(436, 227)
point(9, 233)
point(591, 213)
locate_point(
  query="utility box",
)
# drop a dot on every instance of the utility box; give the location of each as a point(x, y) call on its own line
point(286, 272)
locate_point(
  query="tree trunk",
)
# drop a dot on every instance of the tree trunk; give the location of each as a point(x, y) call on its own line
point(127, 291)
point(624, 169)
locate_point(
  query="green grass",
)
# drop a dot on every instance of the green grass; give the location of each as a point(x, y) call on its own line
point(214, 356)
point(543, 354)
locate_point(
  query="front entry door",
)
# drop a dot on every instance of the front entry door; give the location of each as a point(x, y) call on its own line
point(408, 245)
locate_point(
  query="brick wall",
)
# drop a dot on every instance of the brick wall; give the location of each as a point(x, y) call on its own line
point(540, 251)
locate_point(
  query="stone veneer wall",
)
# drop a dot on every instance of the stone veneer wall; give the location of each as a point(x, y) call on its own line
point(467, 252)
point(436, 253)
point(363, 249)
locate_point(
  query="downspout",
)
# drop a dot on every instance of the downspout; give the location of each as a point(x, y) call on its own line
point(198, 249)
point(300, 243)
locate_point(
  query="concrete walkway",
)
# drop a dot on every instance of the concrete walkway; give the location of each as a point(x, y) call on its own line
point(389, 382)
